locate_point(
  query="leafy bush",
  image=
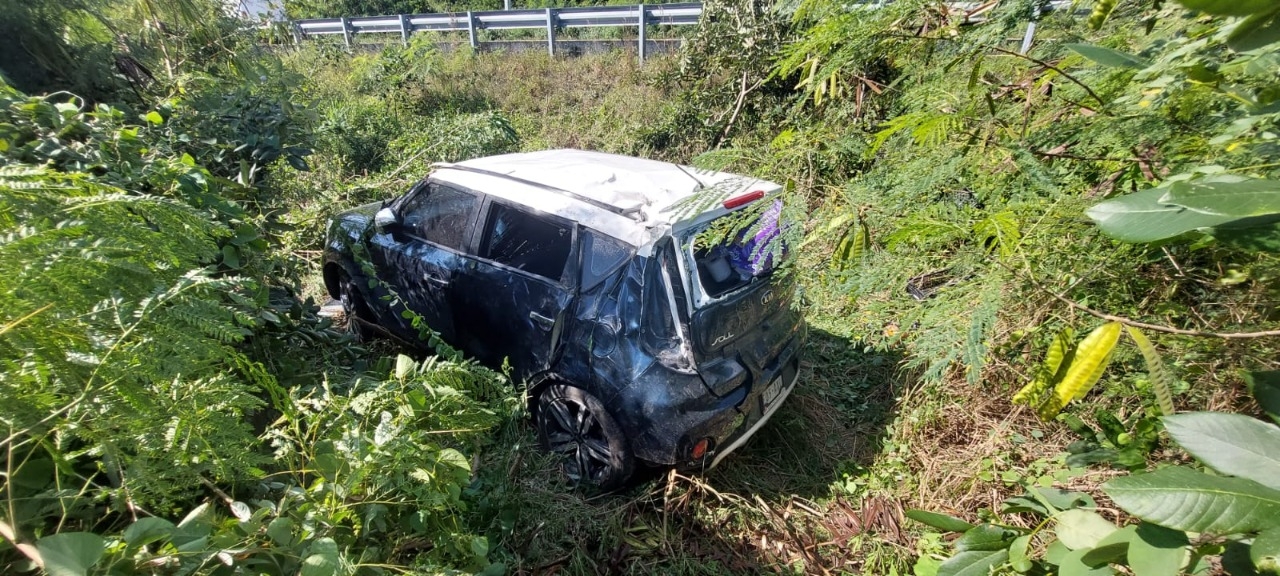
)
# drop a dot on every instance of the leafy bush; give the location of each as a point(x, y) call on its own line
point(370, 475)
point(120, 336)
point(457, 138)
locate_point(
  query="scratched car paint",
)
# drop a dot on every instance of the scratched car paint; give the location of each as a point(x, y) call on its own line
point(640, 343)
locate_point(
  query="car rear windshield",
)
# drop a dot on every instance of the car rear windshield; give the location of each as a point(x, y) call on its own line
point(727, 260)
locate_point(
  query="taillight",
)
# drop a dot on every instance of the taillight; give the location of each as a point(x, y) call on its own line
point(743, 200)
point(700, 449)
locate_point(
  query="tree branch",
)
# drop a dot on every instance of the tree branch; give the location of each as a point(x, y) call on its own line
point(1054, 68)
point(1156, 327)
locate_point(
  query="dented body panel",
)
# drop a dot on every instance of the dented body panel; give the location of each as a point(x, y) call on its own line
point(596, 293)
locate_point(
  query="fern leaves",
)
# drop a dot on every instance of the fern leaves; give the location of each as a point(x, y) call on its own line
point(1075, 372)
point(854, 243)
point(999, 232)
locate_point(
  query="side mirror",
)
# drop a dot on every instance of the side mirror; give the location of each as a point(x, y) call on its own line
point(385, 220)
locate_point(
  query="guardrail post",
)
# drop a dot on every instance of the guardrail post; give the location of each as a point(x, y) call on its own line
point(1036, 10)
point(404, 29)
point(297, 32)
point(551, 31)
point(471, 30)
point(643, 21)
point(346, 33)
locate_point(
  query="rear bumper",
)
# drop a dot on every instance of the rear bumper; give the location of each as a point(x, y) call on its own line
point(749, 429)
point(666, 414)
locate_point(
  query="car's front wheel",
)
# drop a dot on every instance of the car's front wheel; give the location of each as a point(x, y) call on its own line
point(355, 312)
point(575, 425)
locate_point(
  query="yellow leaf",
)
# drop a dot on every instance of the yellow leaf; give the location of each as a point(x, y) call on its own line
point(1091, 358)
point(1034, 393)
point(1161, 379)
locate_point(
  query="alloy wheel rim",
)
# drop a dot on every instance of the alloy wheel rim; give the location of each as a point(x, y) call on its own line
point(573, 432)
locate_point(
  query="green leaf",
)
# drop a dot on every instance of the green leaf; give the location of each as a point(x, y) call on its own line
point(323, 560)
point(973, 562)
point(984, 537)
point(70, 553)
point(1260, 235)
point(1265, 388)
point(479, 546)
point(154, 118)
point(231, 256)
point(1081, 529)
point(926, 566)
point(1063, 499)
point(1232, 444)
point(404, 366)
point(1091, 358)
point(1256, 31)
point(1055, 552)
point(1157, 551)
point(147, 530)
point(1073, 565)
point(1183, 499)
point(280, 530)
point(1226, 195)
point(1018, 558)
point(1108, 57)
point(1235, 561)
point(1265, 551)
point(1143, 217)
point(1229, 7)
point(939, 521)
point(1162, 381)
point(1111, 549)
point(194, 528)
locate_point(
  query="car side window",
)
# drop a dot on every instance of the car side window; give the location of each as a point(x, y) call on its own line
point(522, 240)
point(441, 215)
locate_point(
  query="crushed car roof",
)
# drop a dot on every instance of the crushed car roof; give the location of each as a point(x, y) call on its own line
point(632, 199)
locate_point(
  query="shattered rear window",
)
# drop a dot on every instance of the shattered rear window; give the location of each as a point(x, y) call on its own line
point(751, 252)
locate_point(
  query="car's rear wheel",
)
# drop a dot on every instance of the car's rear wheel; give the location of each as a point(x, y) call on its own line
point(356, 314)
point(573, 424)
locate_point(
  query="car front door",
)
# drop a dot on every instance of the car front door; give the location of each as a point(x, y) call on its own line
point(427, 252)
point(515, 291)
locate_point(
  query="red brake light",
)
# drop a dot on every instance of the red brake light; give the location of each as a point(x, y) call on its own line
point(700, 449)
point(743, 200)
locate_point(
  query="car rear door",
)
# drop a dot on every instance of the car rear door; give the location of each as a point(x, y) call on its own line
point(435, 224)
point(514, 292)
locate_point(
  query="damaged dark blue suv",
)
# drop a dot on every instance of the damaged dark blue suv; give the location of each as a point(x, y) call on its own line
point(593, 276)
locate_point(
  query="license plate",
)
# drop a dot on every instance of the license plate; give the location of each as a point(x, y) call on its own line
point(772, 391)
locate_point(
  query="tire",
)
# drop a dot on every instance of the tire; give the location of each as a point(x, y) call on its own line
point(574, 424)
point(356, 314)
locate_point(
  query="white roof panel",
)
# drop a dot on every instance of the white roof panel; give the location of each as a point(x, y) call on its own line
point(625, 197)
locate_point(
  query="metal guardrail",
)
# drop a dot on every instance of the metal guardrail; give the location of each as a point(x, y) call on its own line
point(550, 19)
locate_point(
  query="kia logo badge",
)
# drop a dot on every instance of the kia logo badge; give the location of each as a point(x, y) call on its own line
point(767, 298)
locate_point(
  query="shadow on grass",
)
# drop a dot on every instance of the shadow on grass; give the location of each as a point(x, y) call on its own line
point(727, 521)
point(834, 421)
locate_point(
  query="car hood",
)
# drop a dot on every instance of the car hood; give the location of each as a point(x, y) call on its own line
point(353, 222)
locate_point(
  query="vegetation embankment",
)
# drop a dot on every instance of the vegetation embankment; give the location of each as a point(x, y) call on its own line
point(175, 405)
